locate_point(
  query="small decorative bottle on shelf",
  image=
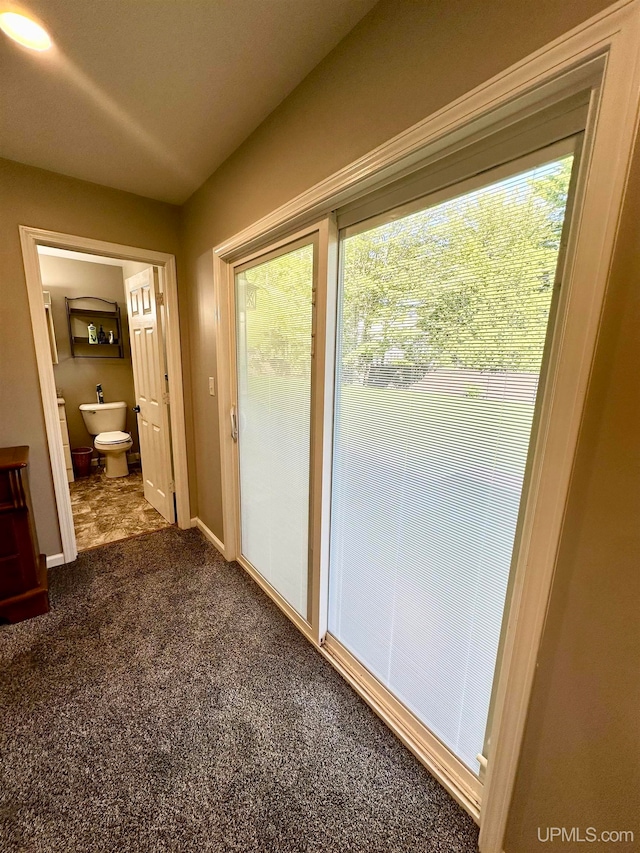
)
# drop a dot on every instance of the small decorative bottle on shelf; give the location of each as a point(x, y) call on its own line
point(93, 334)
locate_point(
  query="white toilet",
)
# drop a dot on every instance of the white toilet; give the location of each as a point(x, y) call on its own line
point(107, 421)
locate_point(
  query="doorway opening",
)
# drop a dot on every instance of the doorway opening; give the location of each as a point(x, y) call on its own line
point(105, 326)
point(97, 392)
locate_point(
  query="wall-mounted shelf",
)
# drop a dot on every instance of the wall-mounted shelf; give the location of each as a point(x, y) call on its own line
point(78, 318)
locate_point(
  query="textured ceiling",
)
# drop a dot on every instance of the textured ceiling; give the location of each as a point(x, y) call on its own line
point(150, 96)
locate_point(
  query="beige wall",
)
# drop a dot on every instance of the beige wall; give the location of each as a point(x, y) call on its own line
point(405, 60)
point(42, 199)
point(77, 377)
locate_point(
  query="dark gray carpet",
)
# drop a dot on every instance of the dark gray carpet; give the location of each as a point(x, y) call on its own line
point(165, 704)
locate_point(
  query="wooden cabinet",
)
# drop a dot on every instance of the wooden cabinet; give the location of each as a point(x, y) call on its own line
point(23, 571)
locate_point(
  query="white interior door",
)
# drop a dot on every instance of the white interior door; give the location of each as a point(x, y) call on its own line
point(150, 384)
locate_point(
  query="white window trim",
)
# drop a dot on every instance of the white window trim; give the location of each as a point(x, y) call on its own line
point(614, 35)
point(463, 785)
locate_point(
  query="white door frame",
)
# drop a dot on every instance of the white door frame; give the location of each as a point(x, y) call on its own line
point(30, 238)
point(611, 42)
point(321, 233)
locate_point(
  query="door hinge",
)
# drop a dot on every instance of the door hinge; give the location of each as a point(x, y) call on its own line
point(172, 486)
point(165, 398)
point(160, 298)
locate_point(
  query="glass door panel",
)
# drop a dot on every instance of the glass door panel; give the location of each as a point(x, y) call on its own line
point(443, 316)
point(274, 349)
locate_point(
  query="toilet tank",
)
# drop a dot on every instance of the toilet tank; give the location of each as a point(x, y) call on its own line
point(104, 417)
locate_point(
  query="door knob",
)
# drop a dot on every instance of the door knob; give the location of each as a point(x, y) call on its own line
point(136, 409)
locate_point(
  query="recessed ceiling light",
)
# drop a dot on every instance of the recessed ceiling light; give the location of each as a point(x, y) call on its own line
point(25, 31)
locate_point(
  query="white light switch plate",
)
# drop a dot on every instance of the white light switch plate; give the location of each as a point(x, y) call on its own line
point(212, 386)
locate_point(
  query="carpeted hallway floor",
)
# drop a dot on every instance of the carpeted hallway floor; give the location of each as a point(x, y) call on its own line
point(165, 704)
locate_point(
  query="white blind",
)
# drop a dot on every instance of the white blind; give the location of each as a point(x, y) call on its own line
point(442, 324)
point(273, 339)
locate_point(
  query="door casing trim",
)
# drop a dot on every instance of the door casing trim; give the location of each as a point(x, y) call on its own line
point(30, 238)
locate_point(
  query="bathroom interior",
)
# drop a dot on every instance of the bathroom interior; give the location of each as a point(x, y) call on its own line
point(86, 310)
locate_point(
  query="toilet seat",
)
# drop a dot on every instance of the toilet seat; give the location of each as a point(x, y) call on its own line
point(112, 438)
point(114, 446)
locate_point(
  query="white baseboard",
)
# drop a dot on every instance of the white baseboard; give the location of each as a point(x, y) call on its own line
point(55, 560)
point(208, 534)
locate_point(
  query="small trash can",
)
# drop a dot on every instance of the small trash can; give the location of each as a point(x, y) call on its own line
point(81, 459)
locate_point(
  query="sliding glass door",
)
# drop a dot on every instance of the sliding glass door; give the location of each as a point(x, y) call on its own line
point(273, 298)
point(443, 315)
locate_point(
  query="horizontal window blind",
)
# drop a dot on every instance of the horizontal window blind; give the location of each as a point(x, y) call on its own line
point(528, 135)
point(443, 316)
point(273, 340)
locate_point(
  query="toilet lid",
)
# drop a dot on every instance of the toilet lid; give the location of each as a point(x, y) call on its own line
point(116, 437)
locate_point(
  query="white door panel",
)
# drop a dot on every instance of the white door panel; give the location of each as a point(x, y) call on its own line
point(149, 380)
point(274, 297)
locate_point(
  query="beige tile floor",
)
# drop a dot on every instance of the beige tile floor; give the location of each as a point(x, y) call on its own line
point(105, 510)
